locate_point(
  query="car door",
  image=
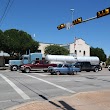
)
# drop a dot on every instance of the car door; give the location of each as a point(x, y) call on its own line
point(70, 69)
point(37, 65)
point(87, 66)
point(65, 69)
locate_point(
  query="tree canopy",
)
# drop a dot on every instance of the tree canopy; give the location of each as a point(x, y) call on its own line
point(108, 60)
point(56, 50)
point(99, 52)
point(17, 41)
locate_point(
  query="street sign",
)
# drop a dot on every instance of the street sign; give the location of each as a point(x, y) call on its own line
point(68, 25)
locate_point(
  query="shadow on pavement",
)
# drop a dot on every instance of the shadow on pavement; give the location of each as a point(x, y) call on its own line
point(68, 107)
point(65, 105)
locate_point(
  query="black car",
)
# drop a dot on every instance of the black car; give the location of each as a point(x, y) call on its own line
point(87, 66)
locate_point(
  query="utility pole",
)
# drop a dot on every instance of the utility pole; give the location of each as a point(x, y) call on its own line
point(72, 10)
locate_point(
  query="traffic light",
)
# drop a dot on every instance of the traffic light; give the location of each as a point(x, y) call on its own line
point(61, 26)
point(77, 21)
point(103, 12)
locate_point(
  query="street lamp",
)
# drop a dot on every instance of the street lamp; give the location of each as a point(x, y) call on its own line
point(72, 13)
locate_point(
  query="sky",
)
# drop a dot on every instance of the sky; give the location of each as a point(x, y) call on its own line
point(40, 19)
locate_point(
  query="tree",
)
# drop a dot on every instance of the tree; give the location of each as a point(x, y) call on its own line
point(99, 52)
point(56, 50)
point(19, 42)
point(108, 61)
point(2, 40)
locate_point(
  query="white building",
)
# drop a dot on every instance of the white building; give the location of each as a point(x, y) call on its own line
point(79, 47)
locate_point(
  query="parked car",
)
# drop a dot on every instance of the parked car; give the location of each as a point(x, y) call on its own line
point(87, 66)
point(36, 65)
point(63, 69)
point(109, 67)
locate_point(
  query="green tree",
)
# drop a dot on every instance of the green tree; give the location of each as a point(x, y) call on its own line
point(2, 40)
point(56, 50)
point(19, 42)
point(108, 61)
point(99, 52)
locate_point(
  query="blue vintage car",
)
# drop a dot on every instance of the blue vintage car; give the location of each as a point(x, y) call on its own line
point(64, 69)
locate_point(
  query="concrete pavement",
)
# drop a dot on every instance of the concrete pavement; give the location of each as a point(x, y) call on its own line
point(94, 100)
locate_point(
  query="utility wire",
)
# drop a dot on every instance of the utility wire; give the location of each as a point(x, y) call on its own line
point(5, 11)
point(8, 6)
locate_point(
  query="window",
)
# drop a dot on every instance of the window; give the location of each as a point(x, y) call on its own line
point(60, 65)
point(39, 51)
point(76, 52)
point(84, 53)
point(25, 58)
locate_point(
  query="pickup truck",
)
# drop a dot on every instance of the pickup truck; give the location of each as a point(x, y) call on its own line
point(63, 69)
point(87, 66)
point(36, 65)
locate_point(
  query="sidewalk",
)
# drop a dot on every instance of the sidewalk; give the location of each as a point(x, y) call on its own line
point(95, 100)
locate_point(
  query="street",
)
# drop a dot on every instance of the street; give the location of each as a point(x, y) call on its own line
point(17, 87)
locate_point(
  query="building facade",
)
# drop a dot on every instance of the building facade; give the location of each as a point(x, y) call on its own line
point(78, 48)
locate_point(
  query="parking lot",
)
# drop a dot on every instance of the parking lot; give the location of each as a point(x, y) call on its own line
point(17, 87)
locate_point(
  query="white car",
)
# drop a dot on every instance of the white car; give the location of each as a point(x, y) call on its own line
point(109, 67)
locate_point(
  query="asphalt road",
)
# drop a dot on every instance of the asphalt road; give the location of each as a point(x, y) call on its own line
point(17, 87)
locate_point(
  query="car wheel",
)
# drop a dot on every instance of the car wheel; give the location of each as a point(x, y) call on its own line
point(96, 70)
point(14, 68)
point(58, 73)
point(72, 73)
point(27, 70)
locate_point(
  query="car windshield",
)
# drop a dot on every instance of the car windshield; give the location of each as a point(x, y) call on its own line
point(59, 65)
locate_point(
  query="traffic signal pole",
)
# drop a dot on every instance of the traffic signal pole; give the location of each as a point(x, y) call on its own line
point(80, 20)
point(90, 19)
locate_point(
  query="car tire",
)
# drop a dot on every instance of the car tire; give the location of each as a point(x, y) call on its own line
point(14, 68)
point(49, 68)
point(71, 73)
point(96, 69)
point(58, 72)
point(27, 70)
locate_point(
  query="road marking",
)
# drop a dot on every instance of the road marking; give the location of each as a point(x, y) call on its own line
point(18, 90)
point(63, 88)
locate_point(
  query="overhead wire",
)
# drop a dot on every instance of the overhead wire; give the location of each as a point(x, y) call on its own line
point(7, 8)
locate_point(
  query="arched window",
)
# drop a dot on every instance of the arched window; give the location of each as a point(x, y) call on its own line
point(76, 52)
point(84, 53)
